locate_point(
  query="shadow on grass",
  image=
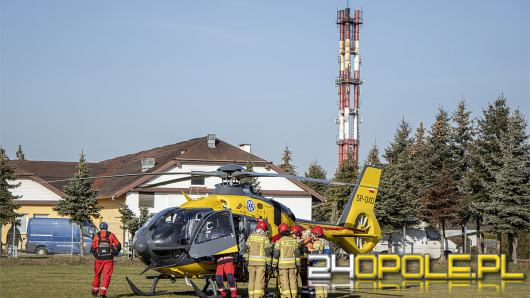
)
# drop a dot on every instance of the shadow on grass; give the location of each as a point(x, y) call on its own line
point(178, 294)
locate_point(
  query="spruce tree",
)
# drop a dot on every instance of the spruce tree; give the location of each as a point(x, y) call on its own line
point(485, 160)
point(143, 217)
point(8, 204)
point(394, 207)
point(419, 139)
point(509, 211)
point(419, 169)
point(439, 147)
point(373, 156)
point(339, 195)
point(315, 170)
point(20, 153)
point(462, 135)
point(439, 163)
point(286, 165)
point(80, 203)
point(440, 204)
point(252, 181)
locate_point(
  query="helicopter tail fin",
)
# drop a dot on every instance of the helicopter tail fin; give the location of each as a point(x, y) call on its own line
point(358, 216)
point(362, 198)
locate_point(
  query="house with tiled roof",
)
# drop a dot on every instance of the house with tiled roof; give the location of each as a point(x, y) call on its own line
point(39, 194)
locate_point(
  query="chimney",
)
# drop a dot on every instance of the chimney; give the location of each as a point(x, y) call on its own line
point(211, 140)
point(246, 147)
point(147, 163)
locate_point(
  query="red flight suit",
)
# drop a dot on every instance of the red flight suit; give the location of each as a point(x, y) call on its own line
point(225, 266)
point(104, 259)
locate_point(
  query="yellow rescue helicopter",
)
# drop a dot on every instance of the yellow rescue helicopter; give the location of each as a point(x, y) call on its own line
point(181, 242)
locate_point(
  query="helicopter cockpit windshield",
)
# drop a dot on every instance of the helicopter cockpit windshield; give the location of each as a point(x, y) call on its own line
point(173, 228)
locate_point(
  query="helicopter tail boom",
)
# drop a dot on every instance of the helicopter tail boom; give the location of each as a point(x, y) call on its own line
point(357, 230)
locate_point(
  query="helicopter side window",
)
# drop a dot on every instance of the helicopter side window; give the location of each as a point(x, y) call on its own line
point(217, 226)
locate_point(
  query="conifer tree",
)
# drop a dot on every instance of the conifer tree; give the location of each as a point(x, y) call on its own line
point(440, 204)
point(286, 165)
point(439, 147)
point(315, 170)
point(419, 139)
point(439, 162)
point(373, 156)
point(8, 204)
point(322, 211)
point(127, 219)
point(339, 195)
point(20, 153)
point(394, 207)
point(462, 135)
point(485, 158)
point(143, 217)
point(419, 170)
point(80, 203)
point(252, 181)
point(509, 210)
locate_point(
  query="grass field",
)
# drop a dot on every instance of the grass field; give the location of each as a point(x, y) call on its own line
point(64, 276)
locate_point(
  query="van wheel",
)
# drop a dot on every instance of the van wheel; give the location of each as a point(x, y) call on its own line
point(41, 251)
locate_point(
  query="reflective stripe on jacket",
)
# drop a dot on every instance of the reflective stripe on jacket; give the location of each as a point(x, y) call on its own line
point(257, 250)
point(286, 253)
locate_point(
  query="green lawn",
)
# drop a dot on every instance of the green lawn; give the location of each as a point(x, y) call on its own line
point(63, 276)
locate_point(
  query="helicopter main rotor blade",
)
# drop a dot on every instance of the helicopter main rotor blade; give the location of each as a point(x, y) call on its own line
point(193, 173)
point(173, 181)
point(300, 178)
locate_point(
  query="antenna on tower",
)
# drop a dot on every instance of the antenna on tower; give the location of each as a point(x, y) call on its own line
point(349, 58)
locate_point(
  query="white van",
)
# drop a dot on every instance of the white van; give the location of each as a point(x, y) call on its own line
point(419, 239)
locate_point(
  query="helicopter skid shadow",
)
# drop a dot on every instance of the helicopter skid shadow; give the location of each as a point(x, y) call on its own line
point(138, 292)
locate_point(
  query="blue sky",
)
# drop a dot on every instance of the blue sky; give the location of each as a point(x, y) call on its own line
point(117, 77)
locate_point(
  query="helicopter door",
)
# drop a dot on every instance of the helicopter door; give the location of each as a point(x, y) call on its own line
point(215, 235)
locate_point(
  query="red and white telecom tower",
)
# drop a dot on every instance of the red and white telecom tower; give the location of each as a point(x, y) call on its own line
point(348, 121)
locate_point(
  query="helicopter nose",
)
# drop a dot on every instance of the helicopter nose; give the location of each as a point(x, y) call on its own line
point(140, 246)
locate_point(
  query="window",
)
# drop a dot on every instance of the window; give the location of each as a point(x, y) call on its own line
point(197, 181)
point(89, 231)
point(146, 200)
point(432, 234)
point(41, 215)
point(23, 219)
point(216, 226)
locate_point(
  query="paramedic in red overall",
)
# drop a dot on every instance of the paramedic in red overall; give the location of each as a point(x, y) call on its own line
point(105, 246)
point(226, 267)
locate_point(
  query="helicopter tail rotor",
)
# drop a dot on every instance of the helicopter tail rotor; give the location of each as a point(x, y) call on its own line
point(359, 213)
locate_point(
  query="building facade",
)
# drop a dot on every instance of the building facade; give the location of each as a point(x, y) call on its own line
point(39, 196)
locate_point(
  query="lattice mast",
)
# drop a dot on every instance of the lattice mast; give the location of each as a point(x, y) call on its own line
point(348, 121)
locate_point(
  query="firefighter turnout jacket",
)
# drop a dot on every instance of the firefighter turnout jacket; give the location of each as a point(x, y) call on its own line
point(105, 245)
point(257, 250)
point(286, 253)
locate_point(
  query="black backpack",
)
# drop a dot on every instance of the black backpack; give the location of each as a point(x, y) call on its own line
point(104, 250)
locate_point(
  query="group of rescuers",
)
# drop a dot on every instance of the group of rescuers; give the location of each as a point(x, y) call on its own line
point(286, 259)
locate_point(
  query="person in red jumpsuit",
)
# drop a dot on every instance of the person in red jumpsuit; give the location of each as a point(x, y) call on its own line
point(105, 246)
point(225, 266)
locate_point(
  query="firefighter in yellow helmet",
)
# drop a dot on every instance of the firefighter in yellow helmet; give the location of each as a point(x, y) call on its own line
point(258, 257)
point(287, 261)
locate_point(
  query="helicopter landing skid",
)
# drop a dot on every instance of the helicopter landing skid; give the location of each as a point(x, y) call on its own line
point(153, 292)
point(205, 293)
